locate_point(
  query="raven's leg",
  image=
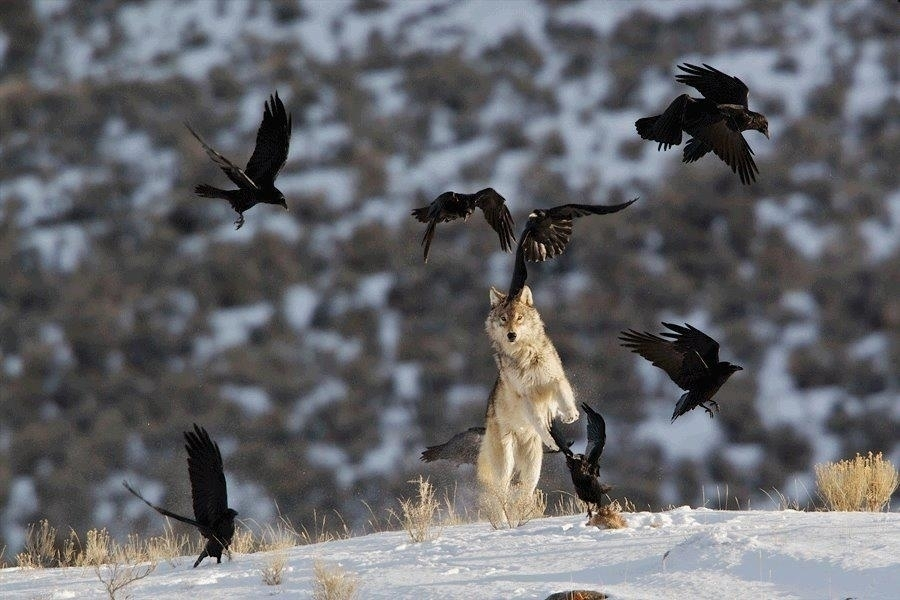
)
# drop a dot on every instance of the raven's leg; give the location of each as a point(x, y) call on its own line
point(707, 409)
point(715, 404)
point(240, 221)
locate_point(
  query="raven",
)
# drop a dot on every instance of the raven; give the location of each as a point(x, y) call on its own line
point(462, 448)
point(547, 233)
point(210, 498)
point(691, 359)
point(256, 183)
point(585, 468)
point(714, 122)
point(450, 206)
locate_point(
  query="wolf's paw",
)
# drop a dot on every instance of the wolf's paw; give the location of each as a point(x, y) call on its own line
point(571, 416)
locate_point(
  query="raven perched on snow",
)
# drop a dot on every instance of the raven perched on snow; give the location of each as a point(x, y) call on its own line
point(256, 183)
point(714, 122)
point(585, 468)
point(450, 206)
point(211, 513)
point(547, 233)
point(691, 359)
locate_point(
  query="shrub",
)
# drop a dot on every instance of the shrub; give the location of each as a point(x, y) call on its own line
point(418, 514)
point(332, 582)
point(511, 508)
point(273, 571)
point(863, 483)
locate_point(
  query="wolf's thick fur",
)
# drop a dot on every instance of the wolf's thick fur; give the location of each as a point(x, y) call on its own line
point(531, 390)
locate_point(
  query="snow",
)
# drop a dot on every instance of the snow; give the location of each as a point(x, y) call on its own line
point(327, 392)
point(883, 238)
point(870, 89)
point(61, 247)
point(22, 502)
point(251, 399)
point(681, 553)
point(299, 306)
point(807, 238)
point(231, 327)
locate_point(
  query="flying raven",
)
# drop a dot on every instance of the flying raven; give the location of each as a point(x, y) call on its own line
point(585, 468)
point(211, 513)
point(547, 233)
point(691, 359)
point(714, 122)
point(256, 183)
point(450, 206)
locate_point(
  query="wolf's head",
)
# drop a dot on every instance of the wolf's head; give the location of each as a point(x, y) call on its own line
point(513, 320)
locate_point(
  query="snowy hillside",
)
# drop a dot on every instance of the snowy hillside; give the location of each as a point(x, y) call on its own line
point(681, 553)
point(316, 346)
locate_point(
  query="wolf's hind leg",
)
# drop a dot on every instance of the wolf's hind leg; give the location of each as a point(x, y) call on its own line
point(528, 457)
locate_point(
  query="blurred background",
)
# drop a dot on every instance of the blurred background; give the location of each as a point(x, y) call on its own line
point(316, 346)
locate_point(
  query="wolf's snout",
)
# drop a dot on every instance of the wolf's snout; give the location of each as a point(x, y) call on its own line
point(511, 336)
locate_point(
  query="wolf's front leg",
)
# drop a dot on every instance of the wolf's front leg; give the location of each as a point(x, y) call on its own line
point(565, 399)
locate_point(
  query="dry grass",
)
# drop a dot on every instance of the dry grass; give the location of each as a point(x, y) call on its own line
point(864, 483)
point(40, 547)
point(419, 514)
point(568, 505)
point(511, 508)
point(117, 576)
point(333, 582)
point(273, 571)
point(321, 531)
point(609, 517)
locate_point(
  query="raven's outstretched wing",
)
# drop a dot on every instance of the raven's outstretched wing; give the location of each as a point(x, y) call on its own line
point(496, 213)
point(208, 491)
point(714, 84)
point(729, 145)
point(660, 352)
point(520, 273)
point(561, 443)
point(689, 339)
point(548, 231)
point(272, 143)
point(161, 510)
point(234, 172)
point(596, 435)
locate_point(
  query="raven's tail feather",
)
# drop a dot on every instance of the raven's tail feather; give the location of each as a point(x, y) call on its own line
point(645, 126)
point(207, 191)
point(161, 510)
point(665, 128)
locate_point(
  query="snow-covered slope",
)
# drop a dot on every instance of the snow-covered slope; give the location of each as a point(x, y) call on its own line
point(681, 553)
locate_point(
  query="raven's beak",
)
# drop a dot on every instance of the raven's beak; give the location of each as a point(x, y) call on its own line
point(739, 368)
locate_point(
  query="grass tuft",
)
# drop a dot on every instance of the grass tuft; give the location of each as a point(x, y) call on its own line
point(864, 483)
point(333, 582)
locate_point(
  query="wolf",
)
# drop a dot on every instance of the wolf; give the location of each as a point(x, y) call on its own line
point(531, 390)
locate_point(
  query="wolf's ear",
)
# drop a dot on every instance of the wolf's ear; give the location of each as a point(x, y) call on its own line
point(497, 297)
point(525, 296)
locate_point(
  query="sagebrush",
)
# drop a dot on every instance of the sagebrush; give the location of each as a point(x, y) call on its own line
point(863, 483)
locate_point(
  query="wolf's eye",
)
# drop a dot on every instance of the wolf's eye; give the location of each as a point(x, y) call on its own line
point(520, 318)
point(503, 318)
